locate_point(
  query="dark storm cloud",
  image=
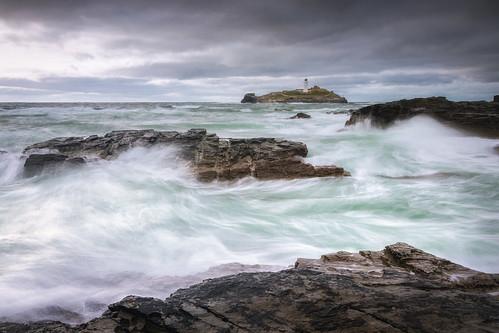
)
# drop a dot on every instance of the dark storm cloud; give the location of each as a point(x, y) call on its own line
point(391, 43)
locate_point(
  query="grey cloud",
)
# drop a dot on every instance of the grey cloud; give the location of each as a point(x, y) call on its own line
point(278, 39)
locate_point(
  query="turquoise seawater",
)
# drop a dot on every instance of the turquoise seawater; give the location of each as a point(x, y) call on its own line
point(64, 236)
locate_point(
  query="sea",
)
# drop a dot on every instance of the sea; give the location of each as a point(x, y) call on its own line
point(85, 237)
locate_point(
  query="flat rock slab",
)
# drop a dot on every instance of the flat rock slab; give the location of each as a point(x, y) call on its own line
point(479, 116)
point(398, 289)
point(209, 156)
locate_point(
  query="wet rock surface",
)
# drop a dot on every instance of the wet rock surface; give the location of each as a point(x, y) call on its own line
point(36, 162)
point(209, 156)
point(398, 289)
point(478, 116)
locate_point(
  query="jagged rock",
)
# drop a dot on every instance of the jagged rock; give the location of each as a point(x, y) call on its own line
point(249, 98)
point(480, 116)
point(314, 95)
point(398, 289)
point(301, 115)
point(209, 156)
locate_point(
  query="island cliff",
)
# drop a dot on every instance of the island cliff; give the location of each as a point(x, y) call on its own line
point(314, 95)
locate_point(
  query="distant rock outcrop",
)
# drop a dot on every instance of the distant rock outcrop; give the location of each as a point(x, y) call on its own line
point(249, 98)
point(301, 115)
point(479, 116)
point(209, 156)
point(398, 289)
point(314, 95)
point(496, 98)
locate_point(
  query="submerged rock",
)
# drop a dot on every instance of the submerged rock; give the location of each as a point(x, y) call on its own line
point(209, 156)
point(480, 116)
point(398, 289)
point(314, 95)
point(301, 115)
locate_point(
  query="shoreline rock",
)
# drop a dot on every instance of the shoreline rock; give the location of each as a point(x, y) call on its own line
point(478, 116)
point(314, 95)
point(210, 157)
point(398, 289)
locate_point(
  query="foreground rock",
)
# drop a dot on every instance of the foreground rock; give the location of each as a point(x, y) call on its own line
point(479, 116)
point(399, 289)
point(209, 156)
point(314, 95)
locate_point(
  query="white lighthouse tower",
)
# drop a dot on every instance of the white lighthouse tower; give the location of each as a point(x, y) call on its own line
point(305, 86)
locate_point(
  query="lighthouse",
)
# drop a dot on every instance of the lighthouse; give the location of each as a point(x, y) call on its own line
point(305, 86)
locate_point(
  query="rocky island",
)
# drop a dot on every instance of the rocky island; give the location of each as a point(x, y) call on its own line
point(480, 116)
point(210, 157)
point(314, 95)
point(398, 289)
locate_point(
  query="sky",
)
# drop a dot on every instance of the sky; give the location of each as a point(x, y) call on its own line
point(217, 50)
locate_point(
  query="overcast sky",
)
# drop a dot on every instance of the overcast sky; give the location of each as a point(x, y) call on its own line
point(218, 50)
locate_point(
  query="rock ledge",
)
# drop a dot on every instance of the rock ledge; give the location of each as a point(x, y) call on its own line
point(398, 289)
point(209, 156)
point(479, 116)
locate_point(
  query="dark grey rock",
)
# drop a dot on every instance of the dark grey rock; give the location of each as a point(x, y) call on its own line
point(480, 116)
point(301, 115)
point(496, 98)
point(209, 156)
point(398, 289)
point(249, 98)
